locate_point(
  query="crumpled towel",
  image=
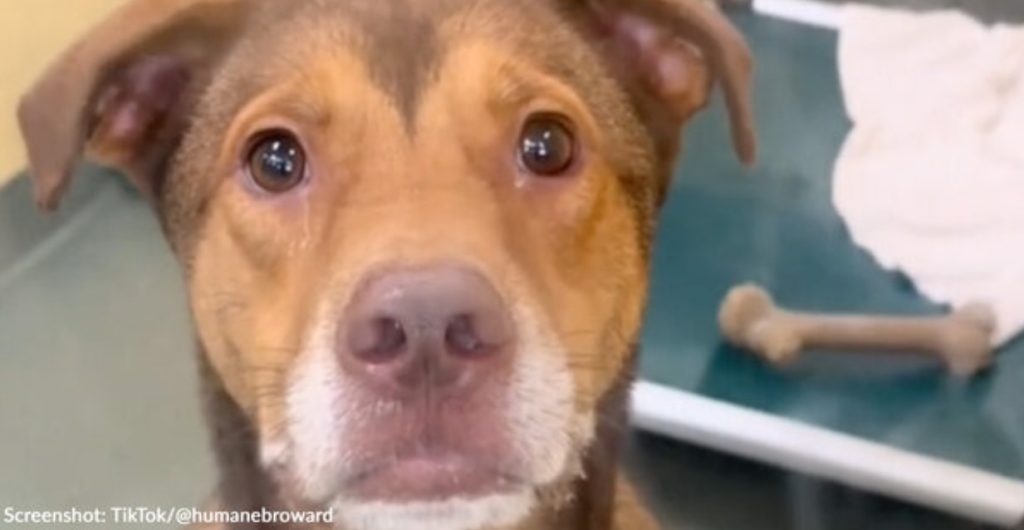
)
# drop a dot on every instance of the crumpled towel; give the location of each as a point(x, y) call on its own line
point(931, 179)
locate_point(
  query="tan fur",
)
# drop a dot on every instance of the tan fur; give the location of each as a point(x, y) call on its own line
point(411, 163)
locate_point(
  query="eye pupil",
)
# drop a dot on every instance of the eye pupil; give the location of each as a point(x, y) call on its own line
point(547, 147)
point(277, 162)
point(279, 159)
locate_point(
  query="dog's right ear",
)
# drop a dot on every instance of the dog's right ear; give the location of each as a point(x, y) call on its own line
point(122, 91)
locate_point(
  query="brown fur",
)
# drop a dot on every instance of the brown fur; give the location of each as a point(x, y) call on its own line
point(408, 111)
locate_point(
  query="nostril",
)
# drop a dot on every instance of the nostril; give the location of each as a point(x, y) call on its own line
point(476, 334)
point(462, 338)
point(378, 340)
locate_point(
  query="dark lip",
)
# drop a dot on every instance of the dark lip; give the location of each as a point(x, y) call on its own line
point(431, 476)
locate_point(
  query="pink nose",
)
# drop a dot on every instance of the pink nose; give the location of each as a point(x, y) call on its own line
point(437, 327)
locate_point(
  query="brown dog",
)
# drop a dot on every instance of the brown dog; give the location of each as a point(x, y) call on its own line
point(416, 233)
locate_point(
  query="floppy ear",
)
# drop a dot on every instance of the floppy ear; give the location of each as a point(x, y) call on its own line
point(122, 90)
point(672, 52)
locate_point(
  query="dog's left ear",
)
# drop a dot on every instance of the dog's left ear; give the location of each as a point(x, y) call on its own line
point(120, 92)
point(671, 52)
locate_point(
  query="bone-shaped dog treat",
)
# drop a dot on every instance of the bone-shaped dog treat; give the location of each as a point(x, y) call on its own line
point(749, 319)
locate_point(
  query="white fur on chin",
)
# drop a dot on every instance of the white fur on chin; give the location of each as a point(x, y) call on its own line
point(496, 511)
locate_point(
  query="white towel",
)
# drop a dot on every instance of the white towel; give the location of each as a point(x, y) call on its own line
point(931, 179)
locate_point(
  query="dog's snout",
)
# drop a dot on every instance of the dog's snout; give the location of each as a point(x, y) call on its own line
point(440, 326)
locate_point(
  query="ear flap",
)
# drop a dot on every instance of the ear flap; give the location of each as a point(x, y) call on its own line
point(674, 50)
point(120, 90)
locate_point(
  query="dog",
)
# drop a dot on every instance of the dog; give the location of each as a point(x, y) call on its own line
point(415, 233)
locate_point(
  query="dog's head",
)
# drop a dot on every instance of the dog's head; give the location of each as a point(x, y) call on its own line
point(415, 233)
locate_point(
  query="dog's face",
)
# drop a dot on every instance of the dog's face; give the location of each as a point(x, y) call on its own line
point(415, 234)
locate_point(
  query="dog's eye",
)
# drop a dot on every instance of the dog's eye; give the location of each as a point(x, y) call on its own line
point(277, 162)
point(547, 146)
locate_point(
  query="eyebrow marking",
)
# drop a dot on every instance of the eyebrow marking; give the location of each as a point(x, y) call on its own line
point(512, 90)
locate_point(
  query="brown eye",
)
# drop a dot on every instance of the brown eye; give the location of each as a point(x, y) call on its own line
point(277, 162)
point(547, 146)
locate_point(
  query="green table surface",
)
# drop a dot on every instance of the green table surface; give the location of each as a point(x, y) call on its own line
point(775, 225)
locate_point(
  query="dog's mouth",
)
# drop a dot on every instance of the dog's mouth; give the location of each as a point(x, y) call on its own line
point(419, 452)
point(432, 476)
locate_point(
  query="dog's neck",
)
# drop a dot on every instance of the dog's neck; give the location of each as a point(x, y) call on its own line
point(245, 486)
